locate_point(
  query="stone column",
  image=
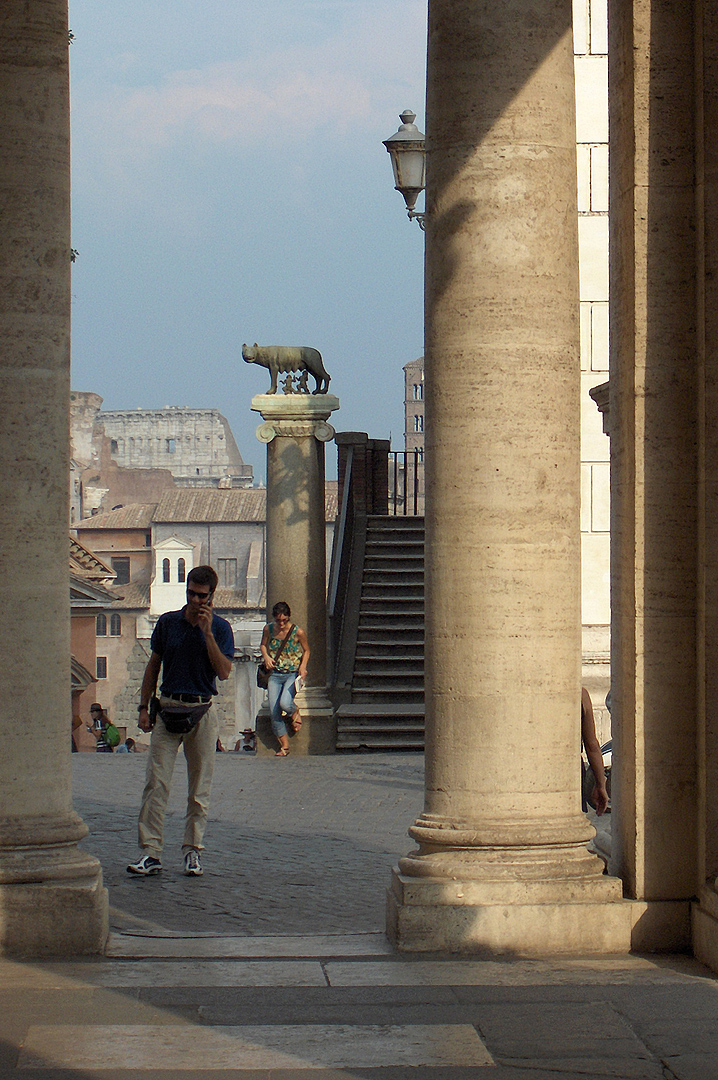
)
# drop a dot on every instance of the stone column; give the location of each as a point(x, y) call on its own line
point(502, 864)
point(655, 439)
point(295, 429)
point(51, 896)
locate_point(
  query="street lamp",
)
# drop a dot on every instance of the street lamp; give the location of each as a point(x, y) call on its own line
point(408, 160)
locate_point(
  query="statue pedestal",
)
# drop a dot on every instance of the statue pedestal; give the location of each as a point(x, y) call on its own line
point(318, 733)
point(295, 429)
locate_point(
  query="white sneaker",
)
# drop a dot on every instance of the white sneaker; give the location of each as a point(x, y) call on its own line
point(192, 865)
point(145, 866)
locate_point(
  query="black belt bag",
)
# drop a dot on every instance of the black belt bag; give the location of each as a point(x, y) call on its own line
point(179, 718)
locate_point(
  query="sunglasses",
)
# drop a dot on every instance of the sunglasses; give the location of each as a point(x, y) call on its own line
point(199, 595)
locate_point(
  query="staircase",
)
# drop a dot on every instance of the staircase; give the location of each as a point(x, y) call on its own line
point(387, 692)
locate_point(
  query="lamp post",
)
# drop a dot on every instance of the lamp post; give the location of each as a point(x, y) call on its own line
point(407, 151)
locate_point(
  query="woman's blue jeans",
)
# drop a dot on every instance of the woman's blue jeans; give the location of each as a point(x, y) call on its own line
point(281, 699)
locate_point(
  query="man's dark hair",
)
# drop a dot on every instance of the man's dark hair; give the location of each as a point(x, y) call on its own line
point(281, 609)
point(203, 575)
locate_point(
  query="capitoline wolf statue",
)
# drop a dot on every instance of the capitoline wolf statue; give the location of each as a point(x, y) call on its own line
point(289, 359)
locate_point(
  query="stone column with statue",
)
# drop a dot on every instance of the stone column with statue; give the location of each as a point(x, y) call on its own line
point(295, 430)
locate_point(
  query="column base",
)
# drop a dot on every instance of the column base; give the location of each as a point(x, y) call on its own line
point(318, 733)
point(508, 918)
point(704, 927)
point(52, 903)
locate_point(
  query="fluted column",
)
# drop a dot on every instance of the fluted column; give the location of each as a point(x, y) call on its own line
point(501, 862)
point(51, 894)
point(295, 430)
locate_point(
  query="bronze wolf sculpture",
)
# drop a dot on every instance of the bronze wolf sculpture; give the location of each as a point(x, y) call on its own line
point(288, 358)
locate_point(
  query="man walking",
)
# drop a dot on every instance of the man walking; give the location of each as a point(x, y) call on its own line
point(193, 647)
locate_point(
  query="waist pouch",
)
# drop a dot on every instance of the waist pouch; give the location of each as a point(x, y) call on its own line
point(181, 718)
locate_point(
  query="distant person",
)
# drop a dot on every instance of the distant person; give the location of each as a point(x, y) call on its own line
point(248, 742)
point(127, 747)
point(285, 651)
point(593, 753)
point(193, 647)
point(76, 723)
point(98, 728)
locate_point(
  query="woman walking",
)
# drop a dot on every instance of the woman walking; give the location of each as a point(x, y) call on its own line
point(285, 651)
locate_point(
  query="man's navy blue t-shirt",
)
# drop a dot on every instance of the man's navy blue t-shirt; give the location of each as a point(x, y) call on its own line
point(186, 667)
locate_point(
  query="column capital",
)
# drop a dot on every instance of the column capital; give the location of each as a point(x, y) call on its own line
point(295, 415)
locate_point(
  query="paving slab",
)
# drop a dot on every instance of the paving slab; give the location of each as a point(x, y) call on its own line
point(212, 946)
point(148, 1046)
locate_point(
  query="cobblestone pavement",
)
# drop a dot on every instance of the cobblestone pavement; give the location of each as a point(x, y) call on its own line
point(302, 845)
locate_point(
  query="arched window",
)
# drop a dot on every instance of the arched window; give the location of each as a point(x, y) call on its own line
point(115, 625)
point(180, 570)
point(101, 626)
point(165, 569)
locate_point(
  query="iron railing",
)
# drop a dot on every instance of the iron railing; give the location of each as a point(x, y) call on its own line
point(406, 483)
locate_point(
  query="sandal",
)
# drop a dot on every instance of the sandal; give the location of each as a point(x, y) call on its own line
point(282, 752)
point(296, 721)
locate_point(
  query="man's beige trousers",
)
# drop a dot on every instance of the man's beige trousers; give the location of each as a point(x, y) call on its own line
point(199, 750)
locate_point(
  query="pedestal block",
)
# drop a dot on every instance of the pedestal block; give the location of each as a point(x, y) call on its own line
point(295, 429)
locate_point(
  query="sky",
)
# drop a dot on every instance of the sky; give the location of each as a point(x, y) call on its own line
point(230, 185)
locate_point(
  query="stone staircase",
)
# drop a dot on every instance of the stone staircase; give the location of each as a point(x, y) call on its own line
point(387, 699)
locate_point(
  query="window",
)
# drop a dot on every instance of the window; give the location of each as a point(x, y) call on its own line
point(180, 570)
point(101, 667)
point(148, 539)
point(227, 572)
point(170, 446)
point(165, 569)
point(418, 391)
point(418, 423)
point(115, 625)
point(113, 446)
point(420, 453)
point(121, 566)
point(101, 626)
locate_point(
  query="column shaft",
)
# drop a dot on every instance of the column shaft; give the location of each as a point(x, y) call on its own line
point(296, 539)
point(295, 431)
point(502, 810)
point(38, 827)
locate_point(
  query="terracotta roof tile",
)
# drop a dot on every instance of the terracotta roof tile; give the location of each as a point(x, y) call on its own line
point(132, 516)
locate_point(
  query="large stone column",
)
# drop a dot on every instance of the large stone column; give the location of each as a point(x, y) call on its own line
point(502, 864)
point(51, 894)
point(295, 429)
point(654, 467)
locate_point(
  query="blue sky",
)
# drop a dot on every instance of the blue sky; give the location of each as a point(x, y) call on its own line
point(229, 185)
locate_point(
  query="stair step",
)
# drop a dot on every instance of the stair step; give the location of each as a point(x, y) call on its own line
point(379, 628)
point(395, 602)
point(390, 662)
point(365, 695)
point(398, 709)
point(387, 522)
point(393, 575)
point(387, 594)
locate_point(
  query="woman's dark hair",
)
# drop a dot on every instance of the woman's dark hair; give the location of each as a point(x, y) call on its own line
point(281, 609)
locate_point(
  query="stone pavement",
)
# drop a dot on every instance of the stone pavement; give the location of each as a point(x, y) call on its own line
point(274, 966)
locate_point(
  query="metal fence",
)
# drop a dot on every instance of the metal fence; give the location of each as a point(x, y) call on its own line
point(406, 483)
